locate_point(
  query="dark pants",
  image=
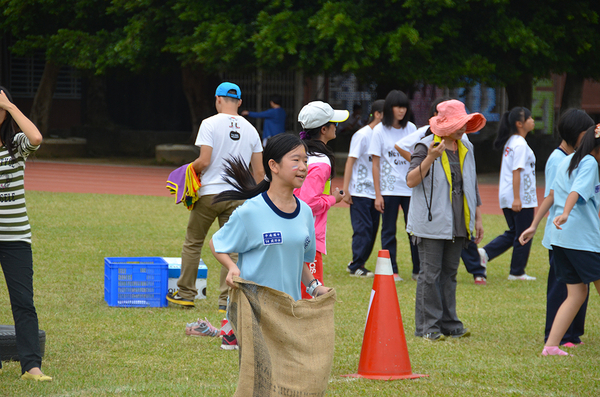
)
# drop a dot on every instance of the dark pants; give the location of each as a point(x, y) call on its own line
point(556, 295)
point(435, 304)
point(17, 265)
point(517, 223)
point(472, 261)
point(365, 222)
point(392, 206)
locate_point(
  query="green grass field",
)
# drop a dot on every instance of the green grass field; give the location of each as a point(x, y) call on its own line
point(96, 350)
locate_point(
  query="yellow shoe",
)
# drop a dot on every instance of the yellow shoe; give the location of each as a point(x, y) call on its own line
point(40, 378)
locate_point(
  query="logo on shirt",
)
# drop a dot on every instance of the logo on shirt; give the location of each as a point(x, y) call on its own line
point(597, 189)
point(272, 238)
point(234, 135)
point(306, 242)
point(5, 181)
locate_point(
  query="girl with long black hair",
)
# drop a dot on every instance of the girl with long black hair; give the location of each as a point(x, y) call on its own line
point(389, 173)
point(575, 239)
point(273, 231)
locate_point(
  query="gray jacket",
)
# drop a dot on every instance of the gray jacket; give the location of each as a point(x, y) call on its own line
point(441, 225)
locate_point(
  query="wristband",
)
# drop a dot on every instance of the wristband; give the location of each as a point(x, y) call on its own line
point(312, 286)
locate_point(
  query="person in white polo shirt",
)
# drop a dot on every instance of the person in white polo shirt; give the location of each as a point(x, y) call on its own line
point(221, 137)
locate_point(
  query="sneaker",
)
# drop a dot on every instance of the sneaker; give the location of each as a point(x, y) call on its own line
point(459, 333)
point(571, 344)
point(201, 328)
point(483, 257)
point(222, 309)
point(415, 276)
point(479, 280)
point(178, 300)
point(362, 272)
point(397, 277)
point(229, 342)
point(348, 267)
point(523, 277)
point(37, 378)
point(434, 337)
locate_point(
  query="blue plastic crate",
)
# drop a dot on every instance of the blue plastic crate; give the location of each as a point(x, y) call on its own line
point(136, 282)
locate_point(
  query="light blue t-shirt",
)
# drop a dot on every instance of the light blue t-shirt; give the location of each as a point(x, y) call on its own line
point(582, 229)
point(552, 164)
point(272, 245)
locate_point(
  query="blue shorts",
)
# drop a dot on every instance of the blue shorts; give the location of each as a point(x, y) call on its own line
point(575, 266)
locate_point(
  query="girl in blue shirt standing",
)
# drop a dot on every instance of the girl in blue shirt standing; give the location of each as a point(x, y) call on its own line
point(576, 239)
point(273, 231)
point(571, 127)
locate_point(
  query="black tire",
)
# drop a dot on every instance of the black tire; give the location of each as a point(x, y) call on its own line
point(8, 343)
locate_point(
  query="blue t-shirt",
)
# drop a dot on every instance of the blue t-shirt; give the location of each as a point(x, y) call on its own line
point(274, 121)
point(582, 229)
point(272, 245)
point(554, 160)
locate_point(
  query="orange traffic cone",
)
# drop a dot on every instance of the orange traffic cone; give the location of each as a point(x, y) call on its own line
point(384, 355)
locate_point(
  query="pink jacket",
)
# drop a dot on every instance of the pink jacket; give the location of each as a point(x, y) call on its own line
point(315, 192)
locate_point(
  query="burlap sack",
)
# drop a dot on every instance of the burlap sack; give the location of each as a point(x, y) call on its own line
point(286, 346)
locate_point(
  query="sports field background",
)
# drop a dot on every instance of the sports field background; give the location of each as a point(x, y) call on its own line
point(96, 350)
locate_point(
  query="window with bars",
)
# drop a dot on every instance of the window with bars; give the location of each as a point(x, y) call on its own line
point(26, 73)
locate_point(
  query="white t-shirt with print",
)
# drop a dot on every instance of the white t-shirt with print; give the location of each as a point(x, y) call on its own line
point(517, 155)
point(393, 167)
point(361, 180)
point(228, 136)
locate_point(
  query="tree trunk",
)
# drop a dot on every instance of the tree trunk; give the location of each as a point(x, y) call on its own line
point(199, 88)
point(96, 107)
point(572, 92)
point(520, 92)
point(42, 102)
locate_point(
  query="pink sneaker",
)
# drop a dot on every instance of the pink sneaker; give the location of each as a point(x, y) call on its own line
point(201, 328)
point(571, 344)
point(553, 351)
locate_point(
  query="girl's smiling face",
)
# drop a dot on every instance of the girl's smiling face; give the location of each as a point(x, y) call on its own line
point(292, 168)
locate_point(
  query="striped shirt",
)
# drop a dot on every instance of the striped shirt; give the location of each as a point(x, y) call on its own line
point(14, 223)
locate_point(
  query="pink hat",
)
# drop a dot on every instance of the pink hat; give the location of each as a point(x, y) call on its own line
point(452, 116)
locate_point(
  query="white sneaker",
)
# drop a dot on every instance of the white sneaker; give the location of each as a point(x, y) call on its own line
point(523, 277)
point(483, 257)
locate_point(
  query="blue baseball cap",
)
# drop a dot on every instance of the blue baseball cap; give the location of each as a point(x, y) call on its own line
point(224, 88)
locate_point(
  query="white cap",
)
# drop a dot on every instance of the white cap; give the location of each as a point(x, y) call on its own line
point(317, 113)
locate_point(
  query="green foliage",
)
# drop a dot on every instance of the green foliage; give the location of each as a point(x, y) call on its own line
point(445, 42)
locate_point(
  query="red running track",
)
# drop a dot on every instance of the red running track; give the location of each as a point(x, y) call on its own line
point(49, 176)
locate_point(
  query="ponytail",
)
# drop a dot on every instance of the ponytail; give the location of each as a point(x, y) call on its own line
point(376, 106)
point(508, 125)
point(587, 144)
point(238, 175)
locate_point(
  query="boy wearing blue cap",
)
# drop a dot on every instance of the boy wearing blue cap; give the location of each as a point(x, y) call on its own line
point(221, 137)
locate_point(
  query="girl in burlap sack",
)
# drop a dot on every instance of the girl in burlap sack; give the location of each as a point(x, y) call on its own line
point(273, 232)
